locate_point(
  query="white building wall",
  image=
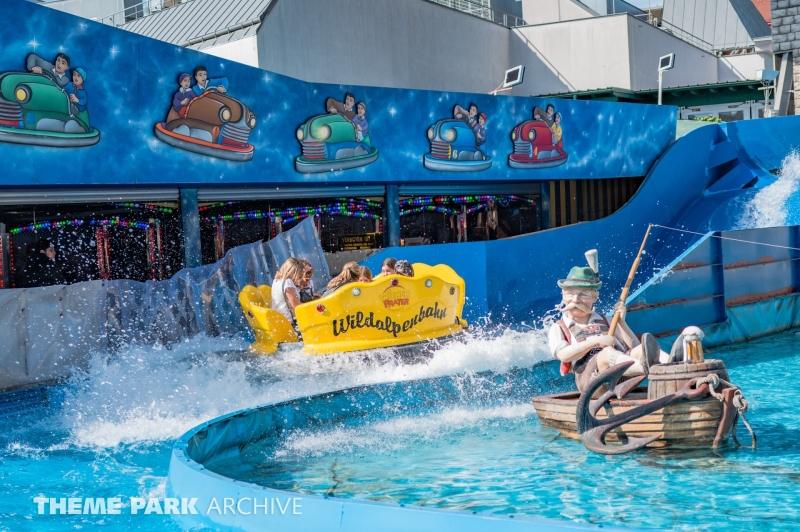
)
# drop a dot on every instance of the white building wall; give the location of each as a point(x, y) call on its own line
point(546, 11)
point(576, 55)
point(693, 66)
point(385, 43)
point(244, 51)
point(739, 67)
point(93, 10)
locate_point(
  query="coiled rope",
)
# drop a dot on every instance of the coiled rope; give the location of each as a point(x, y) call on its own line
point(739, 402)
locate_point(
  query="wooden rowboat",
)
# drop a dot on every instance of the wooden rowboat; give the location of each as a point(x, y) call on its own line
point(679, 424)
point(687, 405)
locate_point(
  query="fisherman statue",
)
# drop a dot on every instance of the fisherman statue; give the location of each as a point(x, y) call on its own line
point(580, 339)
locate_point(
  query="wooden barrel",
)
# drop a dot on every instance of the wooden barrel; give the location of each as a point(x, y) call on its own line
point(666, 379)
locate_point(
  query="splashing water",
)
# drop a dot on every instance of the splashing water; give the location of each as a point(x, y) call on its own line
point(108, 431)
point(776, 204)
point(152, 394)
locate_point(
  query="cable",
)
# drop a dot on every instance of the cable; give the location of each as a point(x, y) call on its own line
point(726, 237)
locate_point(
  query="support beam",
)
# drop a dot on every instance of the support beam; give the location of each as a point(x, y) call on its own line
point(545, 206)
point(783, 85)
point(190, 216)
point(393, 214)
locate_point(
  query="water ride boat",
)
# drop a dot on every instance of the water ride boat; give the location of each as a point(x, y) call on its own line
point(390, 311)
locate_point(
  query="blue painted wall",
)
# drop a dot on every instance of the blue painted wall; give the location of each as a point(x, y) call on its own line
point(131, 81)
point(518, 275)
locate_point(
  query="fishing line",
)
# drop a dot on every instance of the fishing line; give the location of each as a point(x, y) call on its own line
point(726, 238)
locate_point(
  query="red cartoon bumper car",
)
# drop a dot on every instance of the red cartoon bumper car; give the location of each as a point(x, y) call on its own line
point(534, 147)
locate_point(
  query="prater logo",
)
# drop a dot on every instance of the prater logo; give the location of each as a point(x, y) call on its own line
point(359, 320)
point(395, 296)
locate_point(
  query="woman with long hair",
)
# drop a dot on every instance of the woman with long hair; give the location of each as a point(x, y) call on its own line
point(387, 268)
point(364, 275)
point(286, 287)
point(350, 273)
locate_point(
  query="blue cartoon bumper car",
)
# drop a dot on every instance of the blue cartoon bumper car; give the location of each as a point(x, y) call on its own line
point(330, 143)
point(34, 110)
point(454, 148)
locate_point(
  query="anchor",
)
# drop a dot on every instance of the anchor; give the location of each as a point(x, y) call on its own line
point(593, 431)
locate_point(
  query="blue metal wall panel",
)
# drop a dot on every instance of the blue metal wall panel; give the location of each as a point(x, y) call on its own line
point(678, 285)
point(735, 252)
point(671, 318)
point(758, 279)
point(702, 254)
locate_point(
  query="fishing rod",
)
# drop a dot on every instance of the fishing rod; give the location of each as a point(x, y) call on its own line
point(627, 288)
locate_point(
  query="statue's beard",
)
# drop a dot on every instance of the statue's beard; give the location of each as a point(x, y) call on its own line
point(566, 307)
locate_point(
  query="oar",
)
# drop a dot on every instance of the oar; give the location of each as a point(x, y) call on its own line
point(628, 283)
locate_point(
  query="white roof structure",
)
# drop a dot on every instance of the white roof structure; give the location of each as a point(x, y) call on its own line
point(200, 24)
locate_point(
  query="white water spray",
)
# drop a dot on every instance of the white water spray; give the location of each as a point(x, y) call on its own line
point(772, 206)
point(145, 394)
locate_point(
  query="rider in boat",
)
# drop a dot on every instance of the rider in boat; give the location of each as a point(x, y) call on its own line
point(580, 338)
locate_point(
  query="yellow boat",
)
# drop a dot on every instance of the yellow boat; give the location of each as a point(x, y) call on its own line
point(390, 311)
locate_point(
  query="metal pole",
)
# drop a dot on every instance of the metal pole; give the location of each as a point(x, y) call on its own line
point(766, 103)
point(393, 214)
point(190, 216)
point(660, 80)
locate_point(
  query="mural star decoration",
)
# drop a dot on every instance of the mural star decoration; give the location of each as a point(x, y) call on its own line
point(33, 43)
point(113, 52)
point(392, 111)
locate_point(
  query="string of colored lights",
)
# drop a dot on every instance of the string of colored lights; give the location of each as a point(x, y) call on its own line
point(145, 206)
point(445, 210)
point(296, 213)
point(442, 200)
point(217, 205)
point(38, 226)
point(368, 203)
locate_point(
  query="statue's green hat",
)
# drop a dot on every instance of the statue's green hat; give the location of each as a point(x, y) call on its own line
point(584, 277)
point(581, 277)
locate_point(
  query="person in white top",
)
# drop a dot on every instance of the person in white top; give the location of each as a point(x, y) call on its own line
point(580, 338)
point(285, 291)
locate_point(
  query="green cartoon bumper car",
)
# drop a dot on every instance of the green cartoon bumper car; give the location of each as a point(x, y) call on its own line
point(34, 110)
point(330, 143)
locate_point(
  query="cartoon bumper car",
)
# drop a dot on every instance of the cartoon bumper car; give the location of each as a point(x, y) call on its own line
point(534, 148)
point(453, 148)
point(330, 143)
point(34, 110)
point(215, 125)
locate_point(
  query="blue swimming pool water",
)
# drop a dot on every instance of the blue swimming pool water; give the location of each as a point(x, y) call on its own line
point(496, 458)
point(108, 432)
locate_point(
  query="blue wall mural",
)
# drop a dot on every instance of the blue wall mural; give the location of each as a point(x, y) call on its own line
point(162, 114)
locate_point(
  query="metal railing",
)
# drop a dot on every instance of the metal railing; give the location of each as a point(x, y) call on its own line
point(680, 33)
point(141, 10)
point(745, 47)
point(480, 10)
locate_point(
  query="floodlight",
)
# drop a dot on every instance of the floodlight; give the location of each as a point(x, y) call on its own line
point(767, 75)
point(513, 76)
point(666, 62)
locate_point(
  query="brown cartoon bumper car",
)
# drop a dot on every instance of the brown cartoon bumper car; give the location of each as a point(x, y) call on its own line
point(214, 124)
